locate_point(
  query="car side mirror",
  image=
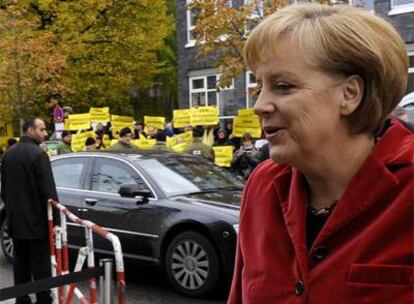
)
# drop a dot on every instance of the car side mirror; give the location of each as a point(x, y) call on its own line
point(132, 190)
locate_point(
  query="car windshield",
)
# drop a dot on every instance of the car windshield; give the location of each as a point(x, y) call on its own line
point(184, 175)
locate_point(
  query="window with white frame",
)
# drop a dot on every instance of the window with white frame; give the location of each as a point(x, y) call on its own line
point(410, 87)
point(192, 16)
point(250, 88)
point(204, 92)
point(401, 7)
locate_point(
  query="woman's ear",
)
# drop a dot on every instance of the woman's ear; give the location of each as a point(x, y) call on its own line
point(352, 94)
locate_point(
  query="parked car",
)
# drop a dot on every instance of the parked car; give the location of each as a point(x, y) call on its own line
point(169, 209)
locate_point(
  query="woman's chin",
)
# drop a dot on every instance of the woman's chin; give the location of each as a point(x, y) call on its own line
point(279, 155)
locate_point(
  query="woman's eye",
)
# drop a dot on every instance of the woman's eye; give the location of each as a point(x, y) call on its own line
point(282, 86)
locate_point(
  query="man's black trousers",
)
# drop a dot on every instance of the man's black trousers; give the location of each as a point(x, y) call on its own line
point(32, 261)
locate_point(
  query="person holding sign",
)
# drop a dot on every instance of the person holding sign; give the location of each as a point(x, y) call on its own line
point(124, 143)
point(64, 145)
point(197, 147)
point(329, 218)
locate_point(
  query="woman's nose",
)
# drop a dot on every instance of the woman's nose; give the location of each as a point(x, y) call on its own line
point(264, 105)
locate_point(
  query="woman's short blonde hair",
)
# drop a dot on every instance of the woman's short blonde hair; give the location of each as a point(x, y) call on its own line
point(341, 40)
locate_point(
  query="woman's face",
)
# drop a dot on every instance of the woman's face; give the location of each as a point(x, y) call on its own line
point(299, 105)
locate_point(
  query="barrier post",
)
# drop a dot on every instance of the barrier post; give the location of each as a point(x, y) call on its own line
point(52, 247)
point(107, 263)
point(91, 264)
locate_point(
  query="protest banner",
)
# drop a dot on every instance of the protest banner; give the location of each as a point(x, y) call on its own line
point(79, 139)
point(120, 122)
point(204, 116)
point(153, 121)
point(100, 115)
point(76, 122)
point(144, 143)
point(223, 155)
point(6, 132)
point(247, 124)
point(182, 118)
point(246, 112)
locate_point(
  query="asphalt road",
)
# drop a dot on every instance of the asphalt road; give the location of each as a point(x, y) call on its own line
point(145, 285)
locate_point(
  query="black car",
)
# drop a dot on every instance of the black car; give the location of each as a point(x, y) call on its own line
point(169, 209)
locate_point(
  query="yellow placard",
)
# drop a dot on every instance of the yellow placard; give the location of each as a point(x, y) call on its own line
point(246, 112)
point(144, 143)
point(113, 142)
point(182, 118)
point(78, 140)
point(106, 141)
point(247, 124)
point(78, 122)
point(153, 121)
point(100, 115)
point(120, 122)
point(223, 155)
point(6, 132)
point(204, 116)
point(170, 141)
point(179, 148)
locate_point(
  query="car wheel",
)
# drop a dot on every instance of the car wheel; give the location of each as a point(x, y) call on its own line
point(6, 242)
point(192, 264)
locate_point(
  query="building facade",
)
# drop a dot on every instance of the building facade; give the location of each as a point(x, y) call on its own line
point(197, 77)
point(401, 14)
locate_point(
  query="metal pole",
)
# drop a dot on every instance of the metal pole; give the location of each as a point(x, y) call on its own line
point(108, 280)
point(101, 284)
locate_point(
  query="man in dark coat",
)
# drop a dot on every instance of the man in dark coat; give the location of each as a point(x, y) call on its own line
point(26, 185)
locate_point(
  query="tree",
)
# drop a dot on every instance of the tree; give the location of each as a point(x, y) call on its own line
point(30, 63)
point(113, 47)
point(223, 30)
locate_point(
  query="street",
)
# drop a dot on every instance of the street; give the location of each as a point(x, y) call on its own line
point(149, 286)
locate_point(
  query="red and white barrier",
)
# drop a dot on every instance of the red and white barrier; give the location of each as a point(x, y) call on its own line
point(61, 263)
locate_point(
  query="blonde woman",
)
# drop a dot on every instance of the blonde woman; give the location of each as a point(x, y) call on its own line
point(329, 219)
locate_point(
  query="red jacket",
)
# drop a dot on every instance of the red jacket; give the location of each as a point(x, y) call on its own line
point(363, 254)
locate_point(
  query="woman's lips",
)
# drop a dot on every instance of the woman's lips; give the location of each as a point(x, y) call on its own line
point(272, 131)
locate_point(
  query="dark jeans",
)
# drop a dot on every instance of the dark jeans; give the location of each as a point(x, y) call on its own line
point(32, 260)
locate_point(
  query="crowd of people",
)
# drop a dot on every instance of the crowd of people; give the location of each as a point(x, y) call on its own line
point(248, 152)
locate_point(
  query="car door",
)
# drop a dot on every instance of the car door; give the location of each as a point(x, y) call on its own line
point(128, 218)
point(69, 174)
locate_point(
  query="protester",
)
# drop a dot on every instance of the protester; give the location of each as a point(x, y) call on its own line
point(64, 145)
point(169, 130)
point(99, 144)
point(329, 219)
point(154, 133)
point(90, 144)
point(124, 143)
point(197, 147)
point(139, 130)
point(100, 130)
point(244, 160)
point(26, 185)
point(222, 138)
point(10, 142)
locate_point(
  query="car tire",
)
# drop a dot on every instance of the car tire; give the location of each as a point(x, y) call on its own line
point(192, 264)
point(6, 242)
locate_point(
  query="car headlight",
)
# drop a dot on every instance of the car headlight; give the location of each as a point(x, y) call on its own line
point(236, 228)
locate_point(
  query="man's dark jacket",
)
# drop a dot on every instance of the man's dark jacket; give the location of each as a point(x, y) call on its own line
point(26, 185)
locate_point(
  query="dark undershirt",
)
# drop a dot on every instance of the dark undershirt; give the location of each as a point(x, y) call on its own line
point(314, 224)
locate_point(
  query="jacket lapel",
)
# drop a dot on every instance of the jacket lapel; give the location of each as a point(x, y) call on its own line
point(293, 197)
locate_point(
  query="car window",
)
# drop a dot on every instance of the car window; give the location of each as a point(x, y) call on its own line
point(109, 174)
point(68, 172)
point(181, 175)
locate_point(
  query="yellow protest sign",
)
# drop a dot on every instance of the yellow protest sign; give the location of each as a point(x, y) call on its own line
point(78, 122)
point(120, 122)
point(112, 142)
point(106, 141)
point(100, 115)
point(246, 112)
point(223, 155)
point(182, 118)
point(204, 116)
point(144, 143)
point(78, 140)
point(6, 132)
point(179, 148)
point(170, 141)
point(153, 121)
point(247, 124)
